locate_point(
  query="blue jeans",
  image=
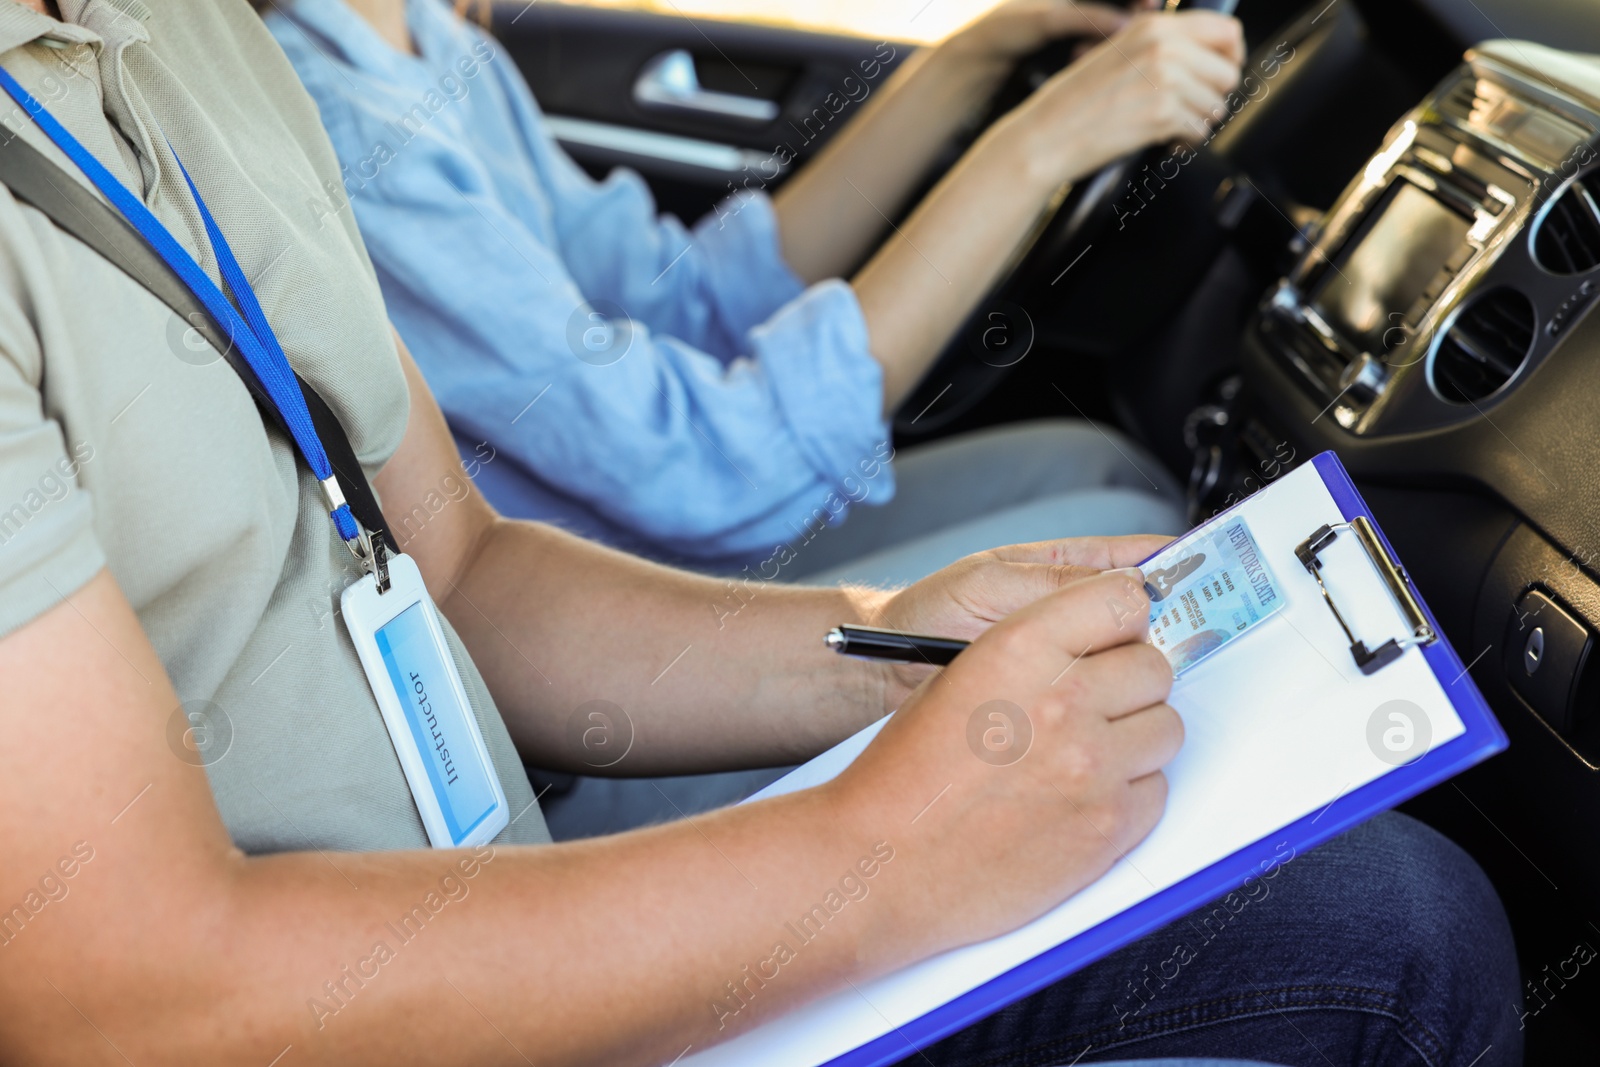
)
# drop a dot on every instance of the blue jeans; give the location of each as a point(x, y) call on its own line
point(1386, 946)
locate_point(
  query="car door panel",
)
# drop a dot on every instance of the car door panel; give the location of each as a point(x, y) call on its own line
point(700, 107)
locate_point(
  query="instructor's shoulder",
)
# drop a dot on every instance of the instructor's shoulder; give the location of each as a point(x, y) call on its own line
point(227, 57)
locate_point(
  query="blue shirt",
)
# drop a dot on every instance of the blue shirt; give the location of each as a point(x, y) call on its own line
point(744, 408)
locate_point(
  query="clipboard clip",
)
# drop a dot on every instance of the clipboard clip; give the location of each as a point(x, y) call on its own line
point(1370, 661)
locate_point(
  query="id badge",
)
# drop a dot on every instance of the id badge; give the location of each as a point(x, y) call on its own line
point(1206, 591)
point(402, 648)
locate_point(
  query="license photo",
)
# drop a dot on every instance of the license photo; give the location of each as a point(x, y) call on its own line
point(1208, 591)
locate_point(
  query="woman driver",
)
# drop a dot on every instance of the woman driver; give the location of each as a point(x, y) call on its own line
point(719, 397)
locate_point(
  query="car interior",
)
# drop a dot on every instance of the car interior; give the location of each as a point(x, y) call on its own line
point(1388, 248)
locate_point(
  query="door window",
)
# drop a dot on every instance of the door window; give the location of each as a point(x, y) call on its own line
point(896, 20)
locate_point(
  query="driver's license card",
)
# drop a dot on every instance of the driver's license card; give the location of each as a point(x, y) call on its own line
point(1206, 591)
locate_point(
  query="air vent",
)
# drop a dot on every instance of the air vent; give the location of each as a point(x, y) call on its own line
point(1461, 100)
point(1568, 239)
point(1485, 346)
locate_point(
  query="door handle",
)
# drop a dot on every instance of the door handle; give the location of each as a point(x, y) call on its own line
point(669, 83)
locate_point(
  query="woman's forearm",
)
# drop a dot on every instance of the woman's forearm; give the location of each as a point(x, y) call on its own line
point(838, 207)
point(1161, 78)
point(931, 272)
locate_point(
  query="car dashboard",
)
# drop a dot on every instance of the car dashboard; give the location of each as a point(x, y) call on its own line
point(1459, 258)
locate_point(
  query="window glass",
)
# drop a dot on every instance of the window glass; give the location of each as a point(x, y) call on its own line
point(897, 20)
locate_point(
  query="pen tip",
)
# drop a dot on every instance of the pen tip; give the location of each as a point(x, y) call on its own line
point(834, 640)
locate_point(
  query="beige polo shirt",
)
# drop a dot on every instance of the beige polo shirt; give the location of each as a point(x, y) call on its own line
point(126, 442)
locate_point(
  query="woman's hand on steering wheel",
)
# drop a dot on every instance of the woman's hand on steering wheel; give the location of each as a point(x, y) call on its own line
point(1159, 79)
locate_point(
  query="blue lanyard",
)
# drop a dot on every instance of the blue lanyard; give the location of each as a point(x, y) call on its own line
point(252, 333)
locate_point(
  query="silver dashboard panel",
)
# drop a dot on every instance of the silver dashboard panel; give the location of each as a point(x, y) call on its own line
point(1495, 145)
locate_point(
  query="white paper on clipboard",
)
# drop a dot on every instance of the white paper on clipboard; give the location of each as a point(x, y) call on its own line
point(1278, 728)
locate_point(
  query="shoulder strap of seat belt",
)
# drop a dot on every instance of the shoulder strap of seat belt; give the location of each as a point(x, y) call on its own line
point(34, 179)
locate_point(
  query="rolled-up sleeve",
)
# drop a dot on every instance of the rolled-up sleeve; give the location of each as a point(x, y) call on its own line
point(812, 353)
point(745, 273)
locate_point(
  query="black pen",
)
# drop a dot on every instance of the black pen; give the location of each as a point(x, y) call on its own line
point(869, 642)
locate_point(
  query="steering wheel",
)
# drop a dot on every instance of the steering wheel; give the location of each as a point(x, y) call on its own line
point(1002, 332)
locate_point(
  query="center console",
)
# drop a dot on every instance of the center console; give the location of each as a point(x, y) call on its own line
point(1436, 329)
point(1457, 259)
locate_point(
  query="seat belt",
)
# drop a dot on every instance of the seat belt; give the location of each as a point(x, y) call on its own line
point(35, 180)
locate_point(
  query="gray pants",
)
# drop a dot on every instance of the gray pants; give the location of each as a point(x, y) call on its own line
point(1031, 481)
point(1028, 482)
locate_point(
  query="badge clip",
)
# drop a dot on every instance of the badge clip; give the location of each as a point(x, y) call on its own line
point(369, 551)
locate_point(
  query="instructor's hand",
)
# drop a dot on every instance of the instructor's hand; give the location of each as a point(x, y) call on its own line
point(972, 594)
point(1022, 773)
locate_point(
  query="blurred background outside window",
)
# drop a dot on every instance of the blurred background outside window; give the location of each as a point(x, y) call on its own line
point(915, 21)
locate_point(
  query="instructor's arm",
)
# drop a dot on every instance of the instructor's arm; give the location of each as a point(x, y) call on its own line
point(172, 946)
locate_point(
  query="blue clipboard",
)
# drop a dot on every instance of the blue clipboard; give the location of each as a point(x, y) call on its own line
point(1483, 737)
